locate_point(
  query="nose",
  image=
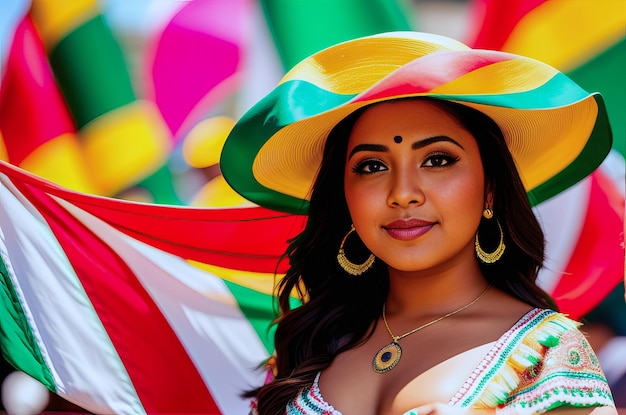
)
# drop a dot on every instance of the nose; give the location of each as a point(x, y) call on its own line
point(405, 190)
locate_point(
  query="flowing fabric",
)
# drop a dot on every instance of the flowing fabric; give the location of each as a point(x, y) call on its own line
point(123, 307)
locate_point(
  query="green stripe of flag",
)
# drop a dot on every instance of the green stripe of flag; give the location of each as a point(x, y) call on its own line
point(260, 310)
point(17, 341)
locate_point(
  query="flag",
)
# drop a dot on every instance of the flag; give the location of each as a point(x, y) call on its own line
point(584, 225)
point(122, 307)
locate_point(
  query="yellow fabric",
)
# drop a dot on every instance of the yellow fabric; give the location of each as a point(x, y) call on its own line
point(125, 145)
point(203, 145)
point(217, 193)
point(56, 18)
point(257, 281)
point(3, 150)
point(546, 32)
point(60, 160)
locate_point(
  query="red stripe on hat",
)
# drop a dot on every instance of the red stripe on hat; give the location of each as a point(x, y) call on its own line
point(597, 263)
point(149, 349)
point(431, 71)
point(32, 109)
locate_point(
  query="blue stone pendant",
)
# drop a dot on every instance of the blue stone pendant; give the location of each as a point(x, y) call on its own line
point(387, 358)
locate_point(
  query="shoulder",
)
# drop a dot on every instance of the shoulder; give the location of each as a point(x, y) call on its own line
point(542, 362)
point(555, 366)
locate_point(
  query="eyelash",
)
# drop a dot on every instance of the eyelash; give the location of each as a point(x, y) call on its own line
point(447, 159)
point(359, 168)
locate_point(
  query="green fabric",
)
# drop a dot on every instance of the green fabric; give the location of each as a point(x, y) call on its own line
point(161, 186)
point(260, 309)
point(17, 342)
point(90, 70)
point(605, 74)
point(303, 27)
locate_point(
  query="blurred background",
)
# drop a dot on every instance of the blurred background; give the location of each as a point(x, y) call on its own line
point(134, 99)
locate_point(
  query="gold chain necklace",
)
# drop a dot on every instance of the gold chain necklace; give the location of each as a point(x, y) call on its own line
point(389, 356)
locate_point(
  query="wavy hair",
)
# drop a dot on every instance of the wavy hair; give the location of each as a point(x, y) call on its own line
point(339, 311)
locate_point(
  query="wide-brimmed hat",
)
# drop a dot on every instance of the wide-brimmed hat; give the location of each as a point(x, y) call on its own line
point(557, 132)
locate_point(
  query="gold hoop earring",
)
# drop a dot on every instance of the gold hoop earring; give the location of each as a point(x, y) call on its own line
point(487, 213)
point(490, 257)
point(348, 266)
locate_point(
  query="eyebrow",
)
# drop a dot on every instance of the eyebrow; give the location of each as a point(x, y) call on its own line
point(415, 146)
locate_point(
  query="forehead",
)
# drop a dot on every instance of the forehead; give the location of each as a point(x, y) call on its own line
point(406, 118)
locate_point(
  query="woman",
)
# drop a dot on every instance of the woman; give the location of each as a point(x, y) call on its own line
point(417, 267)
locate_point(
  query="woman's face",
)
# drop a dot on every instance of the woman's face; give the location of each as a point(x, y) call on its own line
point(414, 184)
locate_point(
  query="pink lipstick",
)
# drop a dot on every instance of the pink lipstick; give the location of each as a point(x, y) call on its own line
point(407, 229)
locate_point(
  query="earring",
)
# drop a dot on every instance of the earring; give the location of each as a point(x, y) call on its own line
point(490, 257)
point(348, 266)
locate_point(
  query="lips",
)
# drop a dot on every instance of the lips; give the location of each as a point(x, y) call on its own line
point(407, 229)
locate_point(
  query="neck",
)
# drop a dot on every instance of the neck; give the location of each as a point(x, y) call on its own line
point(434, 292)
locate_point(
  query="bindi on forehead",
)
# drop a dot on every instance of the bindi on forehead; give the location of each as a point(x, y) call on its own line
point(397, 139)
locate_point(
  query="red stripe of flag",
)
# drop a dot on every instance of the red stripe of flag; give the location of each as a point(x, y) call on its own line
point(149, 349)
point(597, 263)
point(248, 239)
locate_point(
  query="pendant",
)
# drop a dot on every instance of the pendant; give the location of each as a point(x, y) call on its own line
point(387, 358)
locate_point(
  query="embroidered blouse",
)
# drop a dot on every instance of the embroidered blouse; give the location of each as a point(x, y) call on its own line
point(540, 363)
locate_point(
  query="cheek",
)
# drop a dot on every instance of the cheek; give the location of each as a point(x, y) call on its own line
point(464, 195)
point(355, 199)
point(362, 201)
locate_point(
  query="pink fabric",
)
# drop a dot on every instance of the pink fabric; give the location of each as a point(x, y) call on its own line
point(195, 60)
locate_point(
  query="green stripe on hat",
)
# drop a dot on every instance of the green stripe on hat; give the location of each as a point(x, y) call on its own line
point(261, 122)
point(592, 155)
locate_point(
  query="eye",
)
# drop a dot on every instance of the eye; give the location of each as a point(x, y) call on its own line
point(369, 166)
point(439, 160)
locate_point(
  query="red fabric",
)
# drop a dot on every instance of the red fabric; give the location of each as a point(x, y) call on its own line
point(597, 263)
point(32, 109)
point(494, 20)
point(139, 332)
point(247, 239)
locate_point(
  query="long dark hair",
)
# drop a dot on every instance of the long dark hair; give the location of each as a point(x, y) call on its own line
point(339, 311)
